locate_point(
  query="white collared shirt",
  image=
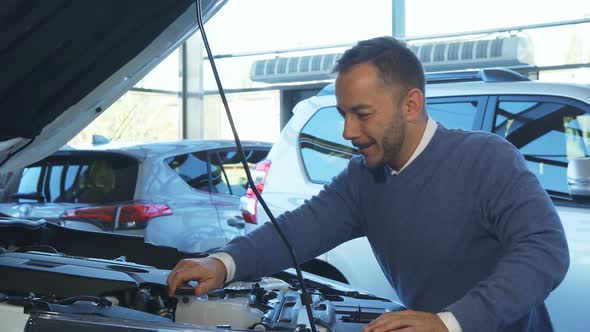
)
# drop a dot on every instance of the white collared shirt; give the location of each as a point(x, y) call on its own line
point(431, 126)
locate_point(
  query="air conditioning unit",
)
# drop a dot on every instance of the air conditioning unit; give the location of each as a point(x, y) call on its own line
point(439, 56)
point(294, 69)
point(483, 53)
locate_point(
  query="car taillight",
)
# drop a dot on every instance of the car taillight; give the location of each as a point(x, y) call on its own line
point(249, 202)
point(124, 216)
point(248, 208)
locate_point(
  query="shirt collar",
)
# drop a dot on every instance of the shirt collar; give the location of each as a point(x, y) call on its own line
point(431, 126)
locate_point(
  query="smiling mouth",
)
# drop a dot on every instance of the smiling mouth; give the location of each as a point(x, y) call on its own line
point(361, 147)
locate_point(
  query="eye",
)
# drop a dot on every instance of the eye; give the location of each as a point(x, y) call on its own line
point(363, 116)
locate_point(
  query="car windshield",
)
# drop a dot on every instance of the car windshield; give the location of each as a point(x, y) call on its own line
point(78, 178)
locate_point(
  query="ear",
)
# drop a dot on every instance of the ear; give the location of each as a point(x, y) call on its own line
point(414, 105)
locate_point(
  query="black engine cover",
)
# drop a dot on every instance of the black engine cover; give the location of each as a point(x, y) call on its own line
point(67, 276)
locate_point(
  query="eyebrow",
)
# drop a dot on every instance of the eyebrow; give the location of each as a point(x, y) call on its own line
point(355, 108)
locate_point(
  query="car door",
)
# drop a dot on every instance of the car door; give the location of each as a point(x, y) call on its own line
point(228, 183)
point(550, 131)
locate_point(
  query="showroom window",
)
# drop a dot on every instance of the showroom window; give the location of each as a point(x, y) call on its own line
point(324, 151)
point(548, 134)
point(255, 114)
point(150, 111)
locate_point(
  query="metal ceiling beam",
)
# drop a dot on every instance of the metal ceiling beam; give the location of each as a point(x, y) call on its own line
point(398, 18)
point(407, 39)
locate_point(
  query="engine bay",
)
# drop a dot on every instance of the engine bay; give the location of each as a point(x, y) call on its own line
point(55, 283)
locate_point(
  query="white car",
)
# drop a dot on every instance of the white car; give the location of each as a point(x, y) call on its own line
point(548, 122)
point(182, 194)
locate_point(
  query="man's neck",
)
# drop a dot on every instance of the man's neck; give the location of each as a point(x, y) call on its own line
point(414, 133)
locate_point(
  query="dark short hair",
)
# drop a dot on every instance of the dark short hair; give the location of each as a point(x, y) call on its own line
point(396, 63)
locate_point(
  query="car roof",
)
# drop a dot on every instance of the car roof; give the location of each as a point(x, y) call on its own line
point(580, 92)
point(161, 148)
point(576, 91)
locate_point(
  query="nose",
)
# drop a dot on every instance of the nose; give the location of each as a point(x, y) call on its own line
point(351, 128)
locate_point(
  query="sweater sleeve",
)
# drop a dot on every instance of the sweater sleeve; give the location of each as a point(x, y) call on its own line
point(518, 212)
point(320, 224)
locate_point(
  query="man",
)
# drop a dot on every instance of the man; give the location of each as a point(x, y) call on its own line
point(463, 231)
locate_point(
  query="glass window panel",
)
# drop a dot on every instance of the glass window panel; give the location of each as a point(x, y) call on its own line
point(455, 115)
point(55, 181)
point(71, 175)
point(150, 111)
point(103, 181)
point(29, 181)
point(548, 134)
point(324, 151)
point(192, 169)
point(228, 176)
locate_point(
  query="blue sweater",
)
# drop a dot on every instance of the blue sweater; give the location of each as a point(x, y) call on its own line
point(465, 228)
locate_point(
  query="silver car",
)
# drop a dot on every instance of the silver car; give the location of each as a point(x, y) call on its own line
point(181, 194)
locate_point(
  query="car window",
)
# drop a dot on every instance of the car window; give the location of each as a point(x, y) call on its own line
point(548, 134)
point(103, 180)
point(76, 186)
point(72, 173)
point(323, 150)
point(453, 115)
point(228, 175)
point(325, 153)
point(55, 173)
point(192, 169)
point(29, 182)
point(80, 178)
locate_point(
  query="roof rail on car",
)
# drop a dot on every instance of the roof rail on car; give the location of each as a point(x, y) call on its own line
point(485, 75)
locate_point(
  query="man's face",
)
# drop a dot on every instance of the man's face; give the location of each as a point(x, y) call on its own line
point(373, 112)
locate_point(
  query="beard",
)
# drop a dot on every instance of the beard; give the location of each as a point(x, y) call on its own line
point(391, 143)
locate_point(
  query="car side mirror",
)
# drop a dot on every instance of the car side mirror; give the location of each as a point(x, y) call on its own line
point(578, 178)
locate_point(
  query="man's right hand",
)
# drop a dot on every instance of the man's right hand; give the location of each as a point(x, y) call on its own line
point(209, 272)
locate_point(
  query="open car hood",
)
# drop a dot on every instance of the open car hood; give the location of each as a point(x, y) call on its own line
point(63, 62)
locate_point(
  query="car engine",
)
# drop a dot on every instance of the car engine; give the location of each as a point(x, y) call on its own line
point(43, 282)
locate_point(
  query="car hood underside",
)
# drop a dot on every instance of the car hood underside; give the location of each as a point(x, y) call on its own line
point(54, 54)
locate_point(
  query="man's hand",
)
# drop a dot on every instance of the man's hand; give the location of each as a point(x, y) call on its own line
point(408, 320)
point(210, 273)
